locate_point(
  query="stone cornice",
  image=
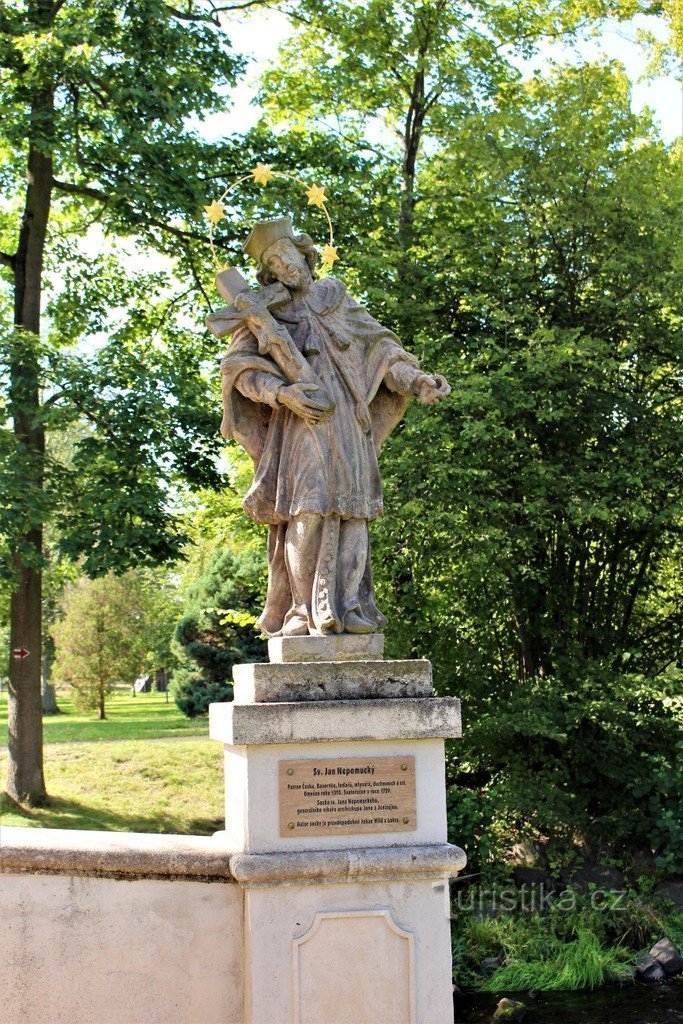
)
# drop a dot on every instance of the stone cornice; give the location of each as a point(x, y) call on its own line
point(331, 680)
point(331, 721)
point(137, 855)
point(357, 865)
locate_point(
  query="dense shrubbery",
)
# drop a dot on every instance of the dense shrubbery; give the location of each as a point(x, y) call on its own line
point(217, 631)
point(595, 764)
point(535, 555)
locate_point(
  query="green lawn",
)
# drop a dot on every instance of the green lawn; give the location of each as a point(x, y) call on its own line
point(145, 780)
point(128, 718)
point(130, 786)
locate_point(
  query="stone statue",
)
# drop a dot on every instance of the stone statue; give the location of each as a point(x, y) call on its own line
point(312, 386)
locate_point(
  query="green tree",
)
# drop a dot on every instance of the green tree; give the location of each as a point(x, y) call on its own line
point(96, 102)
point(394, 78)
point(218, 629)
point(162, 602)
point(537, 559)
point(535, 554)
point(556, 246)
point(58, 572)
point(101, 639)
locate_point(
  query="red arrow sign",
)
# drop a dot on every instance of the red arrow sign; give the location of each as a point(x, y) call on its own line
point(20, 653)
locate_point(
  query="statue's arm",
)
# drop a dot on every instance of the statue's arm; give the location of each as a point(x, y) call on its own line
point(406, 378)
point(260, 387)
point(403, 374)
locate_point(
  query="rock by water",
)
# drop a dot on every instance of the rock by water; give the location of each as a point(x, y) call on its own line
point(649, 969)
point(666, 954)
point(510, 1010)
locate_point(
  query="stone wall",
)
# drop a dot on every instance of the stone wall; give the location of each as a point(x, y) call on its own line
point(118, 928)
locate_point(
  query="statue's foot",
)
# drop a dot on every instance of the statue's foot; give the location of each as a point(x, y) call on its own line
point(296, 626)
point(355, 623)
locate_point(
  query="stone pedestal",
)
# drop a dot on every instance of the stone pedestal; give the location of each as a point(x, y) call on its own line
point(336, 811)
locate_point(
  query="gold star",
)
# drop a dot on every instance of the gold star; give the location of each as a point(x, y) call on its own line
point(262, 174)
point(316, 196)
point(329, 255)
point(215, 212)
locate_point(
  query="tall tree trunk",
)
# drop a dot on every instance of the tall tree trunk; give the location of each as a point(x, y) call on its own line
point(25, 781)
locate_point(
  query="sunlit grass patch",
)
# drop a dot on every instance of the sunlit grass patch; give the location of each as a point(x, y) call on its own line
point(128, 718)
point(134, 786)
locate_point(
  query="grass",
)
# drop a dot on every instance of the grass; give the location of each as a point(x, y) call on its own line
point(584, 962)
point(148, 715)
point(128, 786)
point(140, 781)
point(543, 952)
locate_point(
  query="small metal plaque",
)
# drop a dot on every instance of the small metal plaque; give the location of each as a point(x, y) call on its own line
point(347, 796)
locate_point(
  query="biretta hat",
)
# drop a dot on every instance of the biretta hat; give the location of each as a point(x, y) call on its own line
point(265, 233)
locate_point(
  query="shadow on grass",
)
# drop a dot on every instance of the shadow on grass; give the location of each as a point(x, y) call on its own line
point(70, 814)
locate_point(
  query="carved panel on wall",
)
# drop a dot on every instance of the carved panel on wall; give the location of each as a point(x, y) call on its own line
point(353, 967)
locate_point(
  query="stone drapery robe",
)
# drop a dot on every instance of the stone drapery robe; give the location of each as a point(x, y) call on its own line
point(328, 469)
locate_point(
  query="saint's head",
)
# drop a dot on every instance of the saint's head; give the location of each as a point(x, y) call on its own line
point(282, 255)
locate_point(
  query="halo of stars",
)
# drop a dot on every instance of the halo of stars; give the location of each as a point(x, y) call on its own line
point(261, 175)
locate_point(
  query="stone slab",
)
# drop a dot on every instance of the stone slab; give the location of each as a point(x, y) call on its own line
point(331, 681)
point(331, 647)
point(325, 721)
point(135, 854)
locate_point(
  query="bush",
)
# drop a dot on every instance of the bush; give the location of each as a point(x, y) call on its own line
point(217, 631)
point(598, 762)
point(193, 694)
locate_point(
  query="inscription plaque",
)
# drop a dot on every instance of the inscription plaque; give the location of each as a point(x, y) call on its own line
point(347, 796)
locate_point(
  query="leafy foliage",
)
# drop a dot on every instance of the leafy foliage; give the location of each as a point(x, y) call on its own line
point(127, 78)
point(579, 941)
point(536, 757)
point(98, 103)
point(217, 630)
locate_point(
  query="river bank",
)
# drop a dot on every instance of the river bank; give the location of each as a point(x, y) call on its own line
point(567, 941)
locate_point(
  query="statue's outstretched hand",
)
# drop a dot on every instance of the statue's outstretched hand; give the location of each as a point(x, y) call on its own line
point(300, 398)
point(433, 389)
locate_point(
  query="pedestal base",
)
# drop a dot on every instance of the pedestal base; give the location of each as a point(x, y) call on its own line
point(349, 937)
point(336, 811)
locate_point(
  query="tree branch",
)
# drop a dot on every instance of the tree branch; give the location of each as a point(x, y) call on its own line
point(178, 232)
point(197, 280)
point(170, 306)
point(53, 399)
point(7, 260)
point(138, 218)
point(213, 16)
point(80, 190)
